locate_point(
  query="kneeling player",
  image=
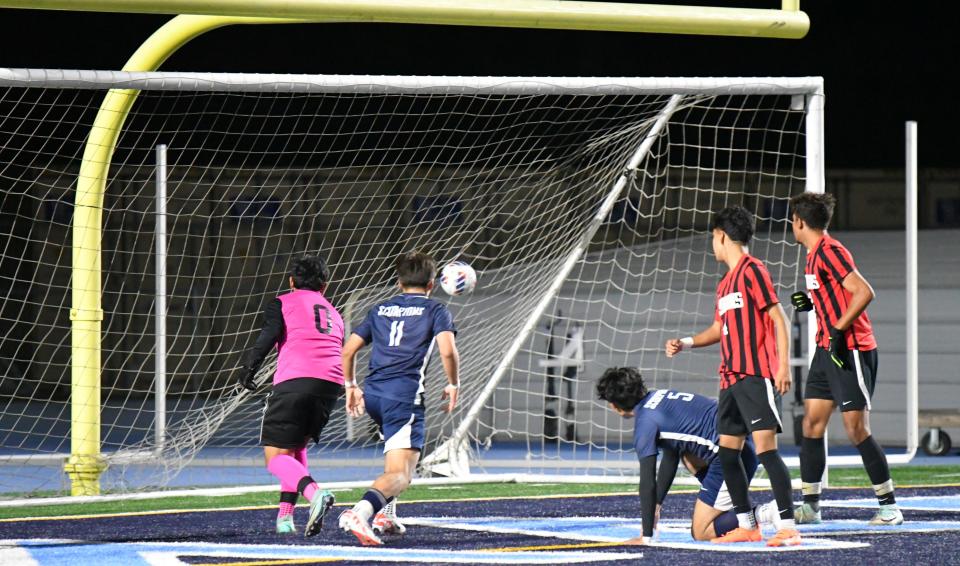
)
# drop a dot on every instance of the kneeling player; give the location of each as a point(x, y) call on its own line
point(682, 425)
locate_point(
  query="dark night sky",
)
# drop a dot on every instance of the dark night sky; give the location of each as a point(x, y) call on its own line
point(882, 63)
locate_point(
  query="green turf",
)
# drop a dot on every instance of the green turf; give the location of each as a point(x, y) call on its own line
point(849, 477)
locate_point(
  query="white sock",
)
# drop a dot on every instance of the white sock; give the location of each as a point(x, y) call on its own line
point(363, 509)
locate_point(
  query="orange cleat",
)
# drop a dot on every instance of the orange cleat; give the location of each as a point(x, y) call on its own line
point(785, 537)
point(739, 534)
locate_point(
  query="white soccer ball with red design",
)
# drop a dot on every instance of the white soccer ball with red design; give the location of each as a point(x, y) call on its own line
point(458, 278)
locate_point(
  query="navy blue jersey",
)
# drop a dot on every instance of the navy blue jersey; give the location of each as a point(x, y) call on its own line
point(402, 331)
point(683, 422)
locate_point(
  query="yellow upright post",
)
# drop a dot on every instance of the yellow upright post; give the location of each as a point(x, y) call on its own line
point(85, 463)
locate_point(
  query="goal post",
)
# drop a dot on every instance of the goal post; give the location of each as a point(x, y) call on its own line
point(584, 195)
point(788, 22)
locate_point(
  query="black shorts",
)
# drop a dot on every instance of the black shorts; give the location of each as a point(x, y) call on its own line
point(850, 387)
point(750, 404)
point(296, 411)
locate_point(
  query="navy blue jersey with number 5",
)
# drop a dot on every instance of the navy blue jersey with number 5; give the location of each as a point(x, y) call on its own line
point(402, 331)
point(684, 422)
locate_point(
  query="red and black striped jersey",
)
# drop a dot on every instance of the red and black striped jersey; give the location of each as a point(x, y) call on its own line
point(827, 266)
point(748, 344)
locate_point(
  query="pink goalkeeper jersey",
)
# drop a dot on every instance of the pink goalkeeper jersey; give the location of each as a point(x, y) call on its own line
point(313, 338)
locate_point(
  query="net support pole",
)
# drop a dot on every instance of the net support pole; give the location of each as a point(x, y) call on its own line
point(450, 458)
point(913, 350)
point(815, 183)
point(160, 368)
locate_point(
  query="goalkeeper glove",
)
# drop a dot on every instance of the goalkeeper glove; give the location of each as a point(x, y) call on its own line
point(838, 346)
point(249, 379)
point(801, 302)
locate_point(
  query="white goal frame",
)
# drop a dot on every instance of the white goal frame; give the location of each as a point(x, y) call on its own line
point(452, 457)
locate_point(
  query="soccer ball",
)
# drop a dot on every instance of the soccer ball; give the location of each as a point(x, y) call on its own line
point(458, 278)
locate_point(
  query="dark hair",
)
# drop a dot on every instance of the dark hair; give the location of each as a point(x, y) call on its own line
point(310, 272)
point(623, 387)
point(815, 209)
point(416, 269)
point(736, 222)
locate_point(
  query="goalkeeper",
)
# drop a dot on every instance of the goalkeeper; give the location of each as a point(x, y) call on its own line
point(681, 425)
point(308, 333)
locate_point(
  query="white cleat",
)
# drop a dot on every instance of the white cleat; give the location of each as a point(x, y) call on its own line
point(351, 523)
point(887, 515)
point(768, 515)
point(387, 525)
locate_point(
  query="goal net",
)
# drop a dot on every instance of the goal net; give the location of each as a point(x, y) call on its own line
point(582, 204)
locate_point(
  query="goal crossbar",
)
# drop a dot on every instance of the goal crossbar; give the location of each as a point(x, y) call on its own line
point(786, 23)
point(391, 84)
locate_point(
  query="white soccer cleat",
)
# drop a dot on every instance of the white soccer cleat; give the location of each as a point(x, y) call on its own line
point(768, 515)
point(351, 523)
point(887, 515)
point(384, 524)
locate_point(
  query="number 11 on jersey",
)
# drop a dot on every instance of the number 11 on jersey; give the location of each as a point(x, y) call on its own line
point(396, 332)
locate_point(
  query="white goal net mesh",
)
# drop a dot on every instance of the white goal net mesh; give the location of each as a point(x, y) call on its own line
point(507, 176)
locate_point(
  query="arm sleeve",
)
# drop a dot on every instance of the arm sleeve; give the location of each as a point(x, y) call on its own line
point(666, 473)
point(648, 493)
point(443, 321)
point(762, 288)
point(270, 334)
point(365, 328)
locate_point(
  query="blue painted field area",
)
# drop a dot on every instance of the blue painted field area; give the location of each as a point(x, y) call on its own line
point(918, 503)
point(518, 531)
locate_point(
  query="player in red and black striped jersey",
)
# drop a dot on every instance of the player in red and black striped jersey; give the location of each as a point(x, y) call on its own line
point(843, 369)
point(754, 336)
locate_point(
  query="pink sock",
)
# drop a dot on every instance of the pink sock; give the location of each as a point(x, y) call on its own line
point(285, 509)
point(301, 456)
point(290, 472)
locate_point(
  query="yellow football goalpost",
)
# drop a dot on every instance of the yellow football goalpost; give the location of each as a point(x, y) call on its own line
point(195, 17)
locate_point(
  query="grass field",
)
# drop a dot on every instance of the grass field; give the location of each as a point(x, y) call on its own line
point(839, 477)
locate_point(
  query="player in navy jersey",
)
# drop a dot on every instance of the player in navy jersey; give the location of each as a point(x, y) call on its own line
point(683, 426)
point(404, 331)
point(754, 336)
point(843, 371)
point(308, 333)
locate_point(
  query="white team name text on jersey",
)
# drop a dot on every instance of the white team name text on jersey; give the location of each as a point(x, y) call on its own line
point(655, 400)
point(394, 311)
point(729, 302)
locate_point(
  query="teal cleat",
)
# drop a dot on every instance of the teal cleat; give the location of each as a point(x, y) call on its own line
point(319, 507)
point(285, 525)
point(887, 515)
point(804, 514)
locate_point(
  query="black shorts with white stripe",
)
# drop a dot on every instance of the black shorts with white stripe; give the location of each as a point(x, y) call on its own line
point(850, 387)
point(749, 404)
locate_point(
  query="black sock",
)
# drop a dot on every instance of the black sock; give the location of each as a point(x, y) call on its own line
point(875, 462)
point(813, 461)
point(736, 478)
point(376, 499)
point(725, 523)
point(779, 481)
